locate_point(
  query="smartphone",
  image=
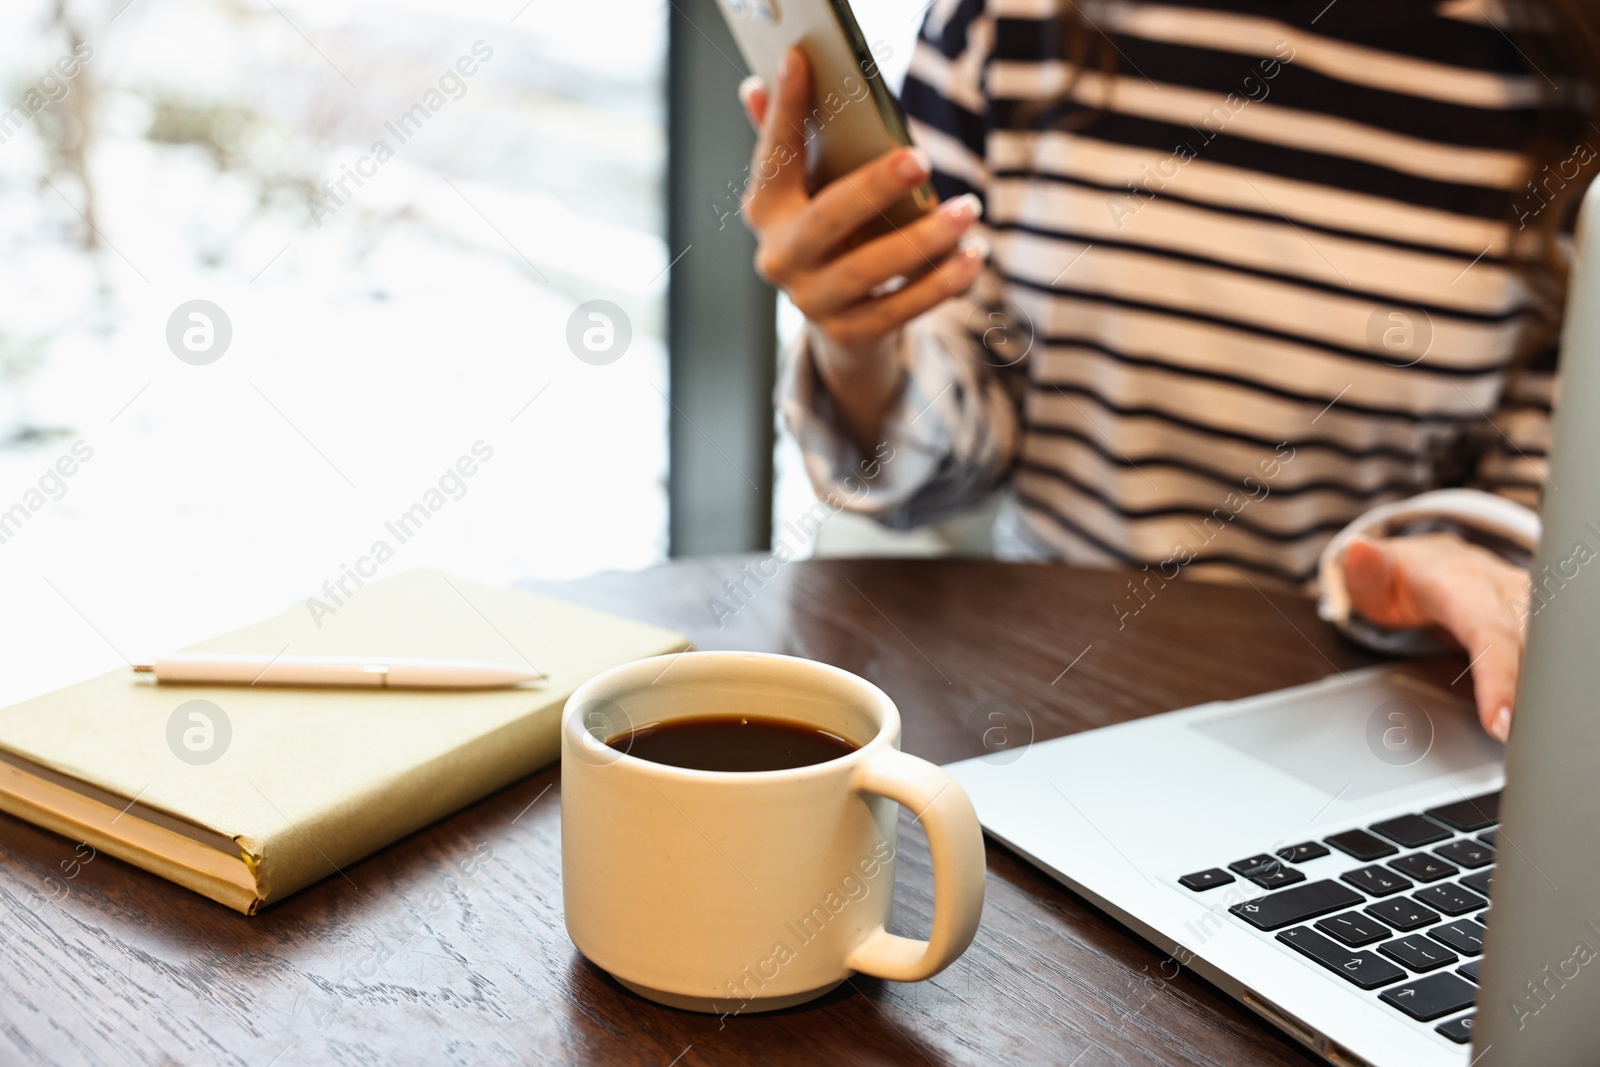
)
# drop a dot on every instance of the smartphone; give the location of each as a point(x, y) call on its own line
point(854, 118)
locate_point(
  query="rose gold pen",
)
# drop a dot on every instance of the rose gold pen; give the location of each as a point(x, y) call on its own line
point(363, 672)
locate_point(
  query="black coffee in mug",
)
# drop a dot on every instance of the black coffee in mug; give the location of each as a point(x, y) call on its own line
point(732, 743)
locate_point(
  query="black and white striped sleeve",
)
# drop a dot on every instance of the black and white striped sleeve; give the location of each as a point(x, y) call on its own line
point(1516, 450)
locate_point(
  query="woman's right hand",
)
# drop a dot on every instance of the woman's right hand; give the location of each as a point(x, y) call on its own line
point(812, 247)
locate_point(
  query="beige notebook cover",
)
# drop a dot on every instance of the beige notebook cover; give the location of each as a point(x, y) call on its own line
point(309, 780)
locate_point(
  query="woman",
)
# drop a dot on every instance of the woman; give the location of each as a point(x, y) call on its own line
point(1263, 290)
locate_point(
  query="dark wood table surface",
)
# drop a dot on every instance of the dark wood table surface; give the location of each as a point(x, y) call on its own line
point(449, 948)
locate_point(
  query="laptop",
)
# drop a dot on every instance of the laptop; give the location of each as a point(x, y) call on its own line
point(1355, 860)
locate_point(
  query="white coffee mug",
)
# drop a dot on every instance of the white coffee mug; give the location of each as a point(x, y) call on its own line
point(736, 892)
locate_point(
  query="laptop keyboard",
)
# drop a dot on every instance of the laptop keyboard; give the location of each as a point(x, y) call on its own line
point(1408, 926)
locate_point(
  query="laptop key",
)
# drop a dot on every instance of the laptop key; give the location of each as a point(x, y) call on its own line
point(1470, 969)
point(1478, 881)
point(1254, 865)
point(1450, 899)
point(1457, 1030)
point(1463, 935)
point(1410, 831)
point(1306, 850)
point(1423, 867)
point(1402, 913)
point(1354, 928)
point(1428, 998)
point(1200, 881)
point(1296, 905)
point(1469, 815)
point(1361, 845)
point(1277, 877)
point(1492, 838)
point(1419, 952)
point(1467, 853)
point(1376, 881)
point(1362, 968)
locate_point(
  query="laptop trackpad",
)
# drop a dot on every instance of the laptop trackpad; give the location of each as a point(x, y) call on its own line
point(1382, 732)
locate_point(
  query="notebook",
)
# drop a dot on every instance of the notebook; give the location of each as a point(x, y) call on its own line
point(271, 789)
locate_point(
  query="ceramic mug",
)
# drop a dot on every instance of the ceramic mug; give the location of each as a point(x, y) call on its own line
point(735, 892)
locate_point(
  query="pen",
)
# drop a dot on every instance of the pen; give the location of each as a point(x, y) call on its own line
point(365, 672)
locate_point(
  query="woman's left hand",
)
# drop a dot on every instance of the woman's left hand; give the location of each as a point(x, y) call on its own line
point(1439, 580)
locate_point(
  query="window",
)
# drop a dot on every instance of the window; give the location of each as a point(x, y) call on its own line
point(275, 273)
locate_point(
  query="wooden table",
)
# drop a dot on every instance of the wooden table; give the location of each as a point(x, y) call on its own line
point(449, 947)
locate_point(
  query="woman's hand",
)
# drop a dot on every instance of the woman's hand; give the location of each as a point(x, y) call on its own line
point(1472, 594)
point(812, 247)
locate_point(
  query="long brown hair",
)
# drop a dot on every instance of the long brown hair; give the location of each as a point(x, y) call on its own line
point(1560, 39)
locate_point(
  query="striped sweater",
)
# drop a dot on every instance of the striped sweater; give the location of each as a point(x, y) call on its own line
point(1254, 288)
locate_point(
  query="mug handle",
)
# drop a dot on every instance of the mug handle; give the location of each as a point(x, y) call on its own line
point(956, 841)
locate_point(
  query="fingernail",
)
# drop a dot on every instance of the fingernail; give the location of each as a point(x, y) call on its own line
point(748, 86)
point(913, 165)
point(975, 243)
point(1501, 727)
point(964, 208)
point(786, 66)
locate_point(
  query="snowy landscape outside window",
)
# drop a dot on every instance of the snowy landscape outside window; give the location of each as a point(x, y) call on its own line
point(276, 273)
